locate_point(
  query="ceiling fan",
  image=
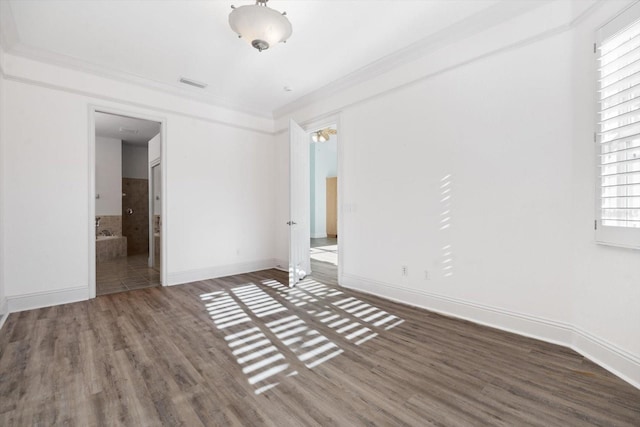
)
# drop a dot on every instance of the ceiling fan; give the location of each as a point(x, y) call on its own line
point(323, 135)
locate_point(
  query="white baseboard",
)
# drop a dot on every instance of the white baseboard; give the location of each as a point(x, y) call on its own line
point(4, 311)
point(319, 236)
point(617, 361)
point(611, 357)
point(47, 299)
point(182, 277)
point(282, 265)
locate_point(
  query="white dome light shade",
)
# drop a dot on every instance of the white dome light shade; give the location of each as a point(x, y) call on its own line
point(318, 137)
point(260, 25)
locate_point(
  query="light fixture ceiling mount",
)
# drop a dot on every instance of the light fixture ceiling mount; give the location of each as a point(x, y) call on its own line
point(260, 25)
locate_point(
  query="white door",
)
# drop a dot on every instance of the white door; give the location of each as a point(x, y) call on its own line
point(299, 204)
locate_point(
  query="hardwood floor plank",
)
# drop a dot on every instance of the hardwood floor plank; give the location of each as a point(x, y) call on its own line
point(247, 350)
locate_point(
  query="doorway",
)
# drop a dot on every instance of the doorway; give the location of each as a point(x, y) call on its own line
point(324, 262)
point(127, 216)
point(323, 168)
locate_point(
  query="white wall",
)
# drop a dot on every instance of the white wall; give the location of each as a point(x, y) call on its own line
point(324, 163)
point(219, 212)
point(108, 176)
point(46, 166)
point(505, 124)
point(135, 161)
point(221, 193)
point(506, 161)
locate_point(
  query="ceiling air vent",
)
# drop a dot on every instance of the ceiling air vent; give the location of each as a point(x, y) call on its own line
point(192, 83)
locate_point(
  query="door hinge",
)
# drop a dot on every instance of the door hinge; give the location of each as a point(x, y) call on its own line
point(595, 137)
point(595, 224)
point(594, 48)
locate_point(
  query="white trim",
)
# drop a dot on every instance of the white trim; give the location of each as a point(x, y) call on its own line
point(624, 18)
point(621, 237)
point(4, 311)
point(464, 29)
point(24, 80)
point(353, 79)
point(469, 26)
point(481, 21)
point(310, 126)
point(182, 277)
point(152, 185)
point(47, 298)
point(92, 201)
point(92, 109)
point(614, 359)
point(510, 321)
point(164, 172)
point(182, 91)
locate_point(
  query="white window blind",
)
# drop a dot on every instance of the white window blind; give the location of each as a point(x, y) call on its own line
point(619, 133)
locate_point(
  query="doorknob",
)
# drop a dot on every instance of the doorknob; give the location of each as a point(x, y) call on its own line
point(291, 223)
point(129, 211)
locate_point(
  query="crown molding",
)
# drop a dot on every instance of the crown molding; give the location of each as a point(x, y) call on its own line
point(11, 44)
point(512, 46)
point(500, 12)
point(6, 76)
point(481, 21)
point(487, 18)
point(28, 52)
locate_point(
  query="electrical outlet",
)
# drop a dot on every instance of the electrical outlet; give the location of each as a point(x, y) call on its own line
point(405, 270)
point(427, 275)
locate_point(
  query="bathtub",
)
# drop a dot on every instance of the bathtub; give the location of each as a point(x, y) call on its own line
point(110, 247)
point(99, 238)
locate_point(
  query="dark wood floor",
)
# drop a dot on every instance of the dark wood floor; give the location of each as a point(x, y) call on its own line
point(246, 350)
point(324, 260)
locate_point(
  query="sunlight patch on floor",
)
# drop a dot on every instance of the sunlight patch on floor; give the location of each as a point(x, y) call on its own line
point(261, 331)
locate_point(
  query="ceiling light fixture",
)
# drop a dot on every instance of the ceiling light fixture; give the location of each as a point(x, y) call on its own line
point(260, 25)
point(323, 135)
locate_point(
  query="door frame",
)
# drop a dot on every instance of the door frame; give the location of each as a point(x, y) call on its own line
point(152, 192)
point(92, 110)
point(314, 125)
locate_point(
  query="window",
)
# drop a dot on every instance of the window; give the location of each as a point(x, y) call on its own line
point(618, 204)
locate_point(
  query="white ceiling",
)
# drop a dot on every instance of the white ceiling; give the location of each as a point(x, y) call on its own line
point(127, 129)
point(160, 41)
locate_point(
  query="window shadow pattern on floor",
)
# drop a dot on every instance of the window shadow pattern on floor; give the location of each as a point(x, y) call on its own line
point(271, 343)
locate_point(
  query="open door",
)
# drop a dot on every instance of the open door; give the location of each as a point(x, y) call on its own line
point(299, 211)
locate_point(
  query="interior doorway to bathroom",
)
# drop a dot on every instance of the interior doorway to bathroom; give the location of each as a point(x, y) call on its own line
point(323, 168)
point(128, 208)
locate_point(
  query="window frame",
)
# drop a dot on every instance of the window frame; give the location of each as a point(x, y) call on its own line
point(626, 237)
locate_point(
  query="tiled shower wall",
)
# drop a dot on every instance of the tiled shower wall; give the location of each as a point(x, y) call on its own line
point(136, 225)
